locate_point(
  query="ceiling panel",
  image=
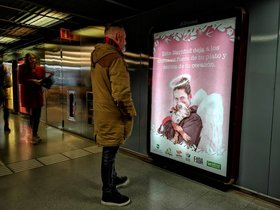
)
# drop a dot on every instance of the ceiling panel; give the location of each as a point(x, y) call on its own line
point(24, 22)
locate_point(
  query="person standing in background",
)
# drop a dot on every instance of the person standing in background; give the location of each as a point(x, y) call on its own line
point(113, 109)
point(30, 76)
point(5, 82)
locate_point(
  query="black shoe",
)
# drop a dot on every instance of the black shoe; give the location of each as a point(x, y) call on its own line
point(37, 138)
point(34, 141)
point(114, 199)
point(7, 129)
point(122, 181)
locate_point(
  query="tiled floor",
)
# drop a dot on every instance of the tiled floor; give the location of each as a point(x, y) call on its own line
point(63, 173)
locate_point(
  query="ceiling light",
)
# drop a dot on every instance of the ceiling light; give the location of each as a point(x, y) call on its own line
point(20, 31)
point(7, 39)
point(91, 31)
point(45, 19)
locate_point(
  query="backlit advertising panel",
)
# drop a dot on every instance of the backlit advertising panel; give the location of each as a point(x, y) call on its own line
point(191, 94)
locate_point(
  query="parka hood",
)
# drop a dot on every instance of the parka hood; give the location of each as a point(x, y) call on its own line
point(101, 50)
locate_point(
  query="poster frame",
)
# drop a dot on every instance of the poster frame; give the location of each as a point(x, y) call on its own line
point(236, 103)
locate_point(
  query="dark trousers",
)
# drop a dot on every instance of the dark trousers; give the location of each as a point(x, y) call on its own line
point(108, 171)
point(6, 117)
point(35, 116)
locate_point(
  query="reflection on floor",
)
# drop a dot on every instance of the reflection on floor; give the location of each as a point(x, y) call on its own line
point(63, 172)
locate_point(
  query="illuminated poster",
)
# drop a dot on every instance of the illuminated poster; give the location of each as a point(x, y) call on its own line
point(191, 94)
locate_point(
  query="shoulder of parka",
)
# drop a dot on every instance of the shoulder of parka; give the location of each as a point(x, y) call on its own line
point(102, 50)
point(104, 55)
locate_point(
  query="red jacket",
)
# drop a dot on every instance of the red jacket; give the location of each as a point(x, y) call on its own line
point(32, 94)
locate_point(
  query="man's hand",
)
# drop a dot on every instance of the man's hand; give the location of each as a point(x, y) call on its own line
point(179, 129)
point(36, 81)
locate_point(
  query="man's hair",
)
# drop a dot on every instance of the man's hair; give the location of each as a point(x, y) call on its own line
point(109, 26)
point(183, 83)
point(26, 58)
point(27, 68)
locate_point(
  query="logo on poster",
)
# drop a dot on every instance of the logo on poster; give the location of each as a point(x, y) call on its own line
point(198, 160)
point(179, 153)
point(168, 151)
point(157, 149)
point(214, 165)
point(188, 157)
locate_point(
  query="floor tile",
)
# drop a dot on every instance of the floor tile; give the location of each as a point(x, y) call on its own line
point(93, 149)
point(4, 170)
point(76, 153)
point(51, 159)
point(24, 165)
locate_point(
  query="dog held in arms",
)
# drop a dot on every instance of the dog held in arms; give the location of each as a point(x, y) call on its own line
point(178, 113)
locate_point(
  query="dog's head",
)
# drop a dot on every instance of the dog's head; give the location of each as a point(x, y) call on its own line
point(179, 112)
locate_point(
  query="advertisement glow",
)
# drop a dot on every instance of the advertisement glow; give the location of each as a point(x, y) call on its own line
point(191, 94)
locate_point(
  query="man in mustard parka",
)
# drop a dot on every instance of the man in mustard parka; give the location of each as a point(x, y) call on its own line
point(113, 109)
